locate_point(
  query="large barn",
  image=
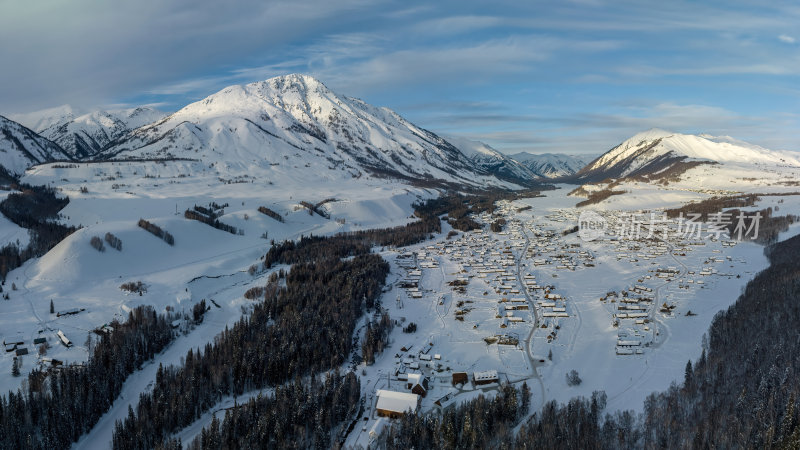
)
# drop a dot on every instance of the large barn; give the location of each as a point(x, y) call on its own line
point(395, 404)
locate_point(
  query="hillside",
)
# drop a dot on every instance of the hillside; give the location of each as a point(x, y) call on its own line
point(21, 148)
point(296, 121)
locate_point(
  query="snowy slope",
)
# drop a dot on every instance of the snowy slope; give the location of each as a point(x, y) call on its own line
point(551, 165)
point(657, 150)
point(296, 121)
point(490, 160)
point(20, 148)
point(84, 135)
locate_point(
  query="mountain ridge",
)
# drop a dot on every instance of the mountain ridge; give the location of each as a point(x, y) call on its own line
point(296, 119)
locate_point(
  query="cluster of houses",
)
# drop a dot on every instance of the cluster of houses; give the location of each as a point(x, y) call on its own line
point(17, 346)
point(413, 263)
point(396, 403)
point(478, 254)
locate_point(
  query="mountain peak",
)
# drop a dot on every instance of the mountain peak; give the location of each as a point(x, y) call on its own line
point(291, 88)
point(295, 80)
point(657, 150)
point(650, 135)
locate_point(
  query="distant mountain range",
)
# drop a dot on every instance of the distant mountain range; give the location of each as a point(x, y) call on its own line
point(525, 166)
point(295, 124)
point(551, 165)
point(84, 135)
point(657, 153)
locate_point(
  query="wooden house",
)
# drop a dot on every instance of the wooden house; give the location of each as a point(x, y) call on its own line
point(460, 378)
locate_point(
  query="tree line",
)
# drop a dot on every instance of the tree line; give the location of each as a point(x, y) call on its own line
point(210, 217)
point(478, 423)
point(156, 231)
point(270, 213)
point(743, 391)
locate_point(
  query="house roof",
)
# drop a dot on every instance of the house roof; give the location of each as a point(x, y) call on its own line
point(486, 375)
point(396, 401)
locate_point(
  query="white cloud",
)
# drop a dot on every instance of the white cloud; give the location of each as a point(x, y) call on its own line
point(787, 39)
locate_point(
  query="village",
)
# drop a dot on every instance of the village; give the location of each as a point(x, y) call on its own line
point(477, 309)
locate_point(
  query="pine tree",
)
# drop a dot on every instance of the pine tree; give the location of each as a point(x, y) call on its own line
point(688, 375)
point(15, 367)
point(787, 423)
point(526, 398)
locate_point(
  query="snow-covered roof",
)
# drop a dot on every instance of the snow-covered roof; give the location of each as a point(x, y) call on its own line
point(397, 401)
point(485, 375)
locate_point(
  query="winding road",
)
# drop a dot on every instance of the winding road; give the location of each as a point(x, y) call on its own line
point(532, 362)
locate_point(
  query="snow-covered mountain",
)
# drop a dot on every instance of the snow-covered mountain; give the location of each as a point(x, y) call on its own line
point(657, 152)
point(83, 135)
point(296, 121)
point(21, 147)
point(490, 160)
point(44, 118)
point(550, 165)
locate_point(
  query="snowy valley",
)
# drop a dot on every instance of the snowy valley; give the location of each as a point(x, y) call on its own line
point(179, 210)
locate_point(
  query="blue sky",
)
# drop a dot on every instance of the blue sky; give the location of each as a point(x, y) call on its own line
point(571, 76)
